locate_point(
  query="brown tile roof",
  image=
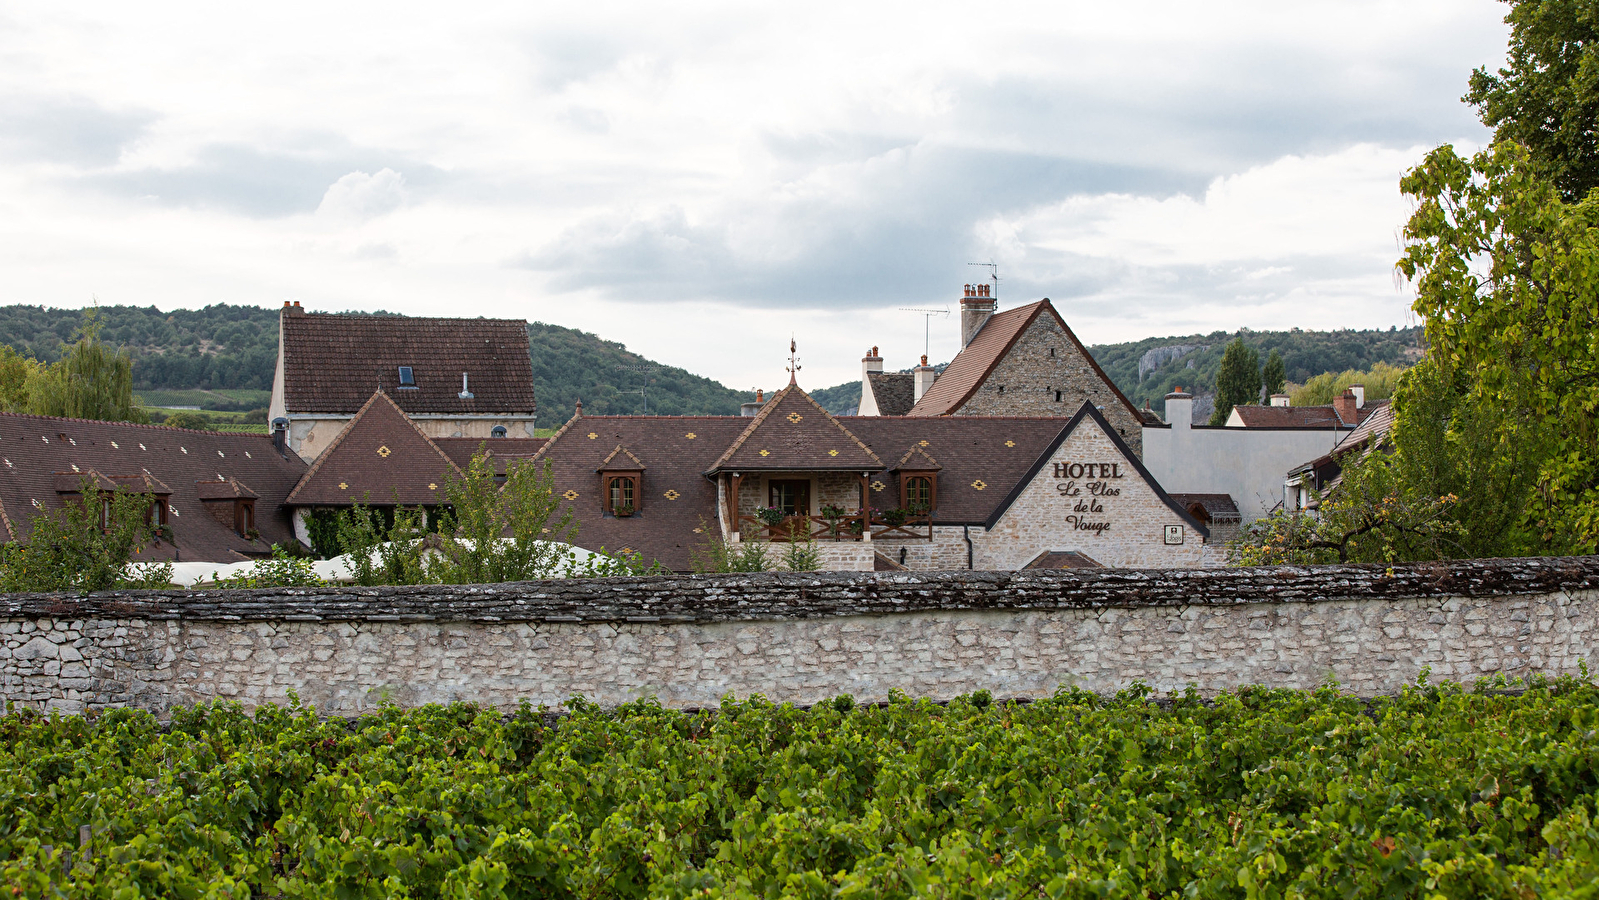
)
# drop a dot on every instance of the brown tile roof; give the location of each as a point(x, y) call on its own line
point(1217, 507)
point(1063, 559)
point(461, 450)
point(1378, 420)
point(332, 363)
point(173, 460)
point(971, 367)
point(621, 460)
point(792, 431)
point(225, 489)
point(675, 497)
point(1300, 416)
point(381, 458)
point(916, 460)
point(895, 392)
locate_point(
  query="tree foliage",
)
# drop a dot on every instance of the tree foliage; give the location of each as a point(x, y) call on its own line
point(1380, 381)
point(1237, 381)
point(1273, 375)
point(1546, 98)
point(1506, 273)
point(91, 380)
point(86, 545)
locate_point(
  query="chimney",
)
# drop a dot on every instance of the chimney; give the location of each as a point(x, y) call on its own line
point(1345, 407)
point(292, 308)
point(1360, 395)
point(465, 393)
point(280, 431)
point(925, 375)
point(1280, 400)
point(1180, 409)
point(753, 407)
point(976, 307)
point(870, 363)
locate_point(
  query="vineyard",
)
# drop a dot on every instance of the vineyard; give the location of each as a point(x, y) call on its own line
point(1438, 792)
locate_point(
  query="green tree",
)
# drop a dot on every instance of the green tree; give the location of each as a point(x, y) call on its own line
point(1380, 381)
point(1238, 381)
point(510, 532)
point(1546, 98)
point(188, 419)
point(1274, 375)
point(15, 371)
point(90, 381)
point(1505, 274)
point(87, 545)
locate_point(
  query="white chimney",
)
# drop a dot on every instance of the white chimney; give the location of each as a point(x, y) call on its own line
point(1360, 395)
point(1180, 409)
point(870, 363)
point(1280, 400)
point(925, 374)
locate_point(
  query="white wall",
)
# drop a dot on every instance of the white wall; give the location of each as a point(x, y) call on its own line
point(1247, 463)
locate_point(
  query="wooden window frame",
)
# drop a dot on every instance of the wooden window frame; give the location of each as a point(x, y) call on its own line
point(905, 489)
point(609, 480)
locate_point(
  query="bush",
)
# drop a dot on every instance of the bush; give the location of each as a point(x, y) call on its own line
point(87, 545)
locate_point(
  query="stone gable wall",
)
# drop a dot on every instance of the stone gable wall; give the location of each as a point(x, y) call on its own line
point(689, 640)
point(1031, 375)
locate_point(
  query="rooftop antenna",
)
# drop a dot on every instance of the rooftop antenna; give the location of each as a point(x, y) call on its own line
point(642, 397)
point(993, 275)
point(927, 324)
point(793, 361)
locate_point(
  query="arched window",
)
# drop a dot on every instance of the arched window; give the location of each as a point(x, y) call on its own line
point(919, 493)
point(622, 495)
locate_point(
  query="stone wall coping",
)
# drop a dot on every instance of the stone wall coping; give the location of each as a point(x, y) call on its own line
point(779, 596)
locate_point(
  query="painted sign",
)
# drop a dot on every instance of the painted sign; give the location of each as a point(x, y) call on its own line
point(1086, 486)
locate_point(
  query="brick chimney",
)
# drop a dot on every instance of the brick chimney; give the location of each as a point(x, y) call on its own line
point(925, 374)
point(1345, 407)
point(976, 307)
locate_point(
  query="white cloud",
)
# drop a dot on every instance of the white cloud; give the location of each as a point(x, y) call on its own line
point(360, 195)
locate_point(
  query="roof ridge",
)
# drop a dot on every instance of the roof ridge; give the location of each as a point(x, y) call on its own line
point(760, 416)
point(327, 454)
point(150, 425)
point(626, 452)
point(988, 369)
point(550, 441)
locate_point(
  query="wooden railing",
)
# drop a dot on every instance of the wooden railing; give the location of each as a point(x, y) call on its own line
point(843, 528)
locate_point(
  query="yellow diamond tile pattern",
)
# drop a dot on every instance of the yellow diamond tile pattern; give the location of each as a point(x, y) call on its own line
point(979, 484)
point(384, 451)
point(432, 486)
point(671, 495)
point(570, 495)
point(691, 435)
point(921, 443)
point(1010, 443)
point(344, 485)
point(766, 453)
point(832, 453)
point(592, 435)
point(795, 417)
point(878, 485)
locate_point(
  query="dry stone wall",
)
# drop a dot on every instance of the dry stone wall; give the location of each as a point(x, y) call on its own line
point(689, 640)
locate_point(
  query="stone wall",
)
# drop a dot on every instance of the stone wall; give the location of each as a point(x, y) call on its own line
point(691, 639)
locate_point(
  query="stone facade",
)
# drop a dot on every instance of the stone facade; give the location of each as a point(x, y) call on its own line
point(689, 640)
point(1045, 364)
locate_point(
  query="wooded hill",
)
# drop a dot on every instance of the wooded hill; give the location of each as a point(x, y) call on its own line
point(226, 347)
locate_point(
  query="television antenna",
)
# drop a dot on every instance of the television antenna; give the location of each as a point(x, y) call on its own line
point(993, 275)
point(642, 397)
point(927, 323)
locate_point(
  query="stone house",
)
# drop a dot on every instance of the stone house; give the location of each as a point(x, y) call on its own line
point(1020, 362)
point(467, 378)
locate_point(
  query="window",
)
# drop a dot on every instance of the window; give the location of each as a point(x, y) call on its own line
point(919, 493)
point(244, 518)
point(157, 515)
point(498, 431)
point(621, 495)
point(407, 379)
point(1057, 396)
point(792, 497)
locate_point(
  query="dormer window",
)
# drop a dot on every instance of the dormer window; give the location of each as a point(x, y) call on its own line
point(621, 483)
point(407, 379)
point(621, 495)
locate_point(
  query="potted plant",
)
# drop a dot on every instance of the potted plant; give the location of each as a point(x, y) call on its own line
point(895, 517)
point(770, 516)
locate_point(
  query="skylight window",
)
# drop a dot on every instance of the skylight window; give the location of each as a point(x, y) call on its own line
point(407, 379)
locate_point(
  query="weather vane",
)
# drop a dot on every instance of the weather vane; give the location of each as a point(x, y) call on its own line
point(793, 361)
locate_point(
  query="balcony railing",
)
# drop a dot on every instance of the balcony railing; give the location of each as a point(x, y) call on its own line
point(842, 528)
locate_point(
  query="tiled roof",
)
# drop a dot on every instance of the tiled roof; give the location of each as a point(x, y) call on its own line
point(895, 392)
point(1063, 559)
point(1377, 422)
point(461, 450)
point(1217, 507)
point(675, 497)
point(225, 489)
point(792, 431)
point(1300, 416)
point(173, 460)
point(916, 460)
point(333, 363)
point(971, 367)
point(621, 460)
point(382, 458)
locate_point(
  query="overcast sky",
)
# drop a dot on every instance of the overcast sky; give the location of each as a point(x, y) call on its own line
point(699, 181)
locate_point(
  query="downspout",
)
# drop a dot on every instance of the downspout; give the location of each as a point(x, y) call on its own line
point(966, 533)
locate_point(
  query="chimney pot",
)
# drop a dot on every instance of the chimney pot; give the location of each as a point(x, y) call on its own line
point(296, 304)
point(758, 396)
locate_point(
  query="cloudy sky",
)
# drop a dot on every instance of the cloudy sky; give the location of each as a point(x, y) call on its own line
point(700, 181)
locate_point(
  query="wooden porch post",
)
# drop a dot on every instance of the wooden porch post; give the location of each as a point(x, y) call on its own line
point(732, 504)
